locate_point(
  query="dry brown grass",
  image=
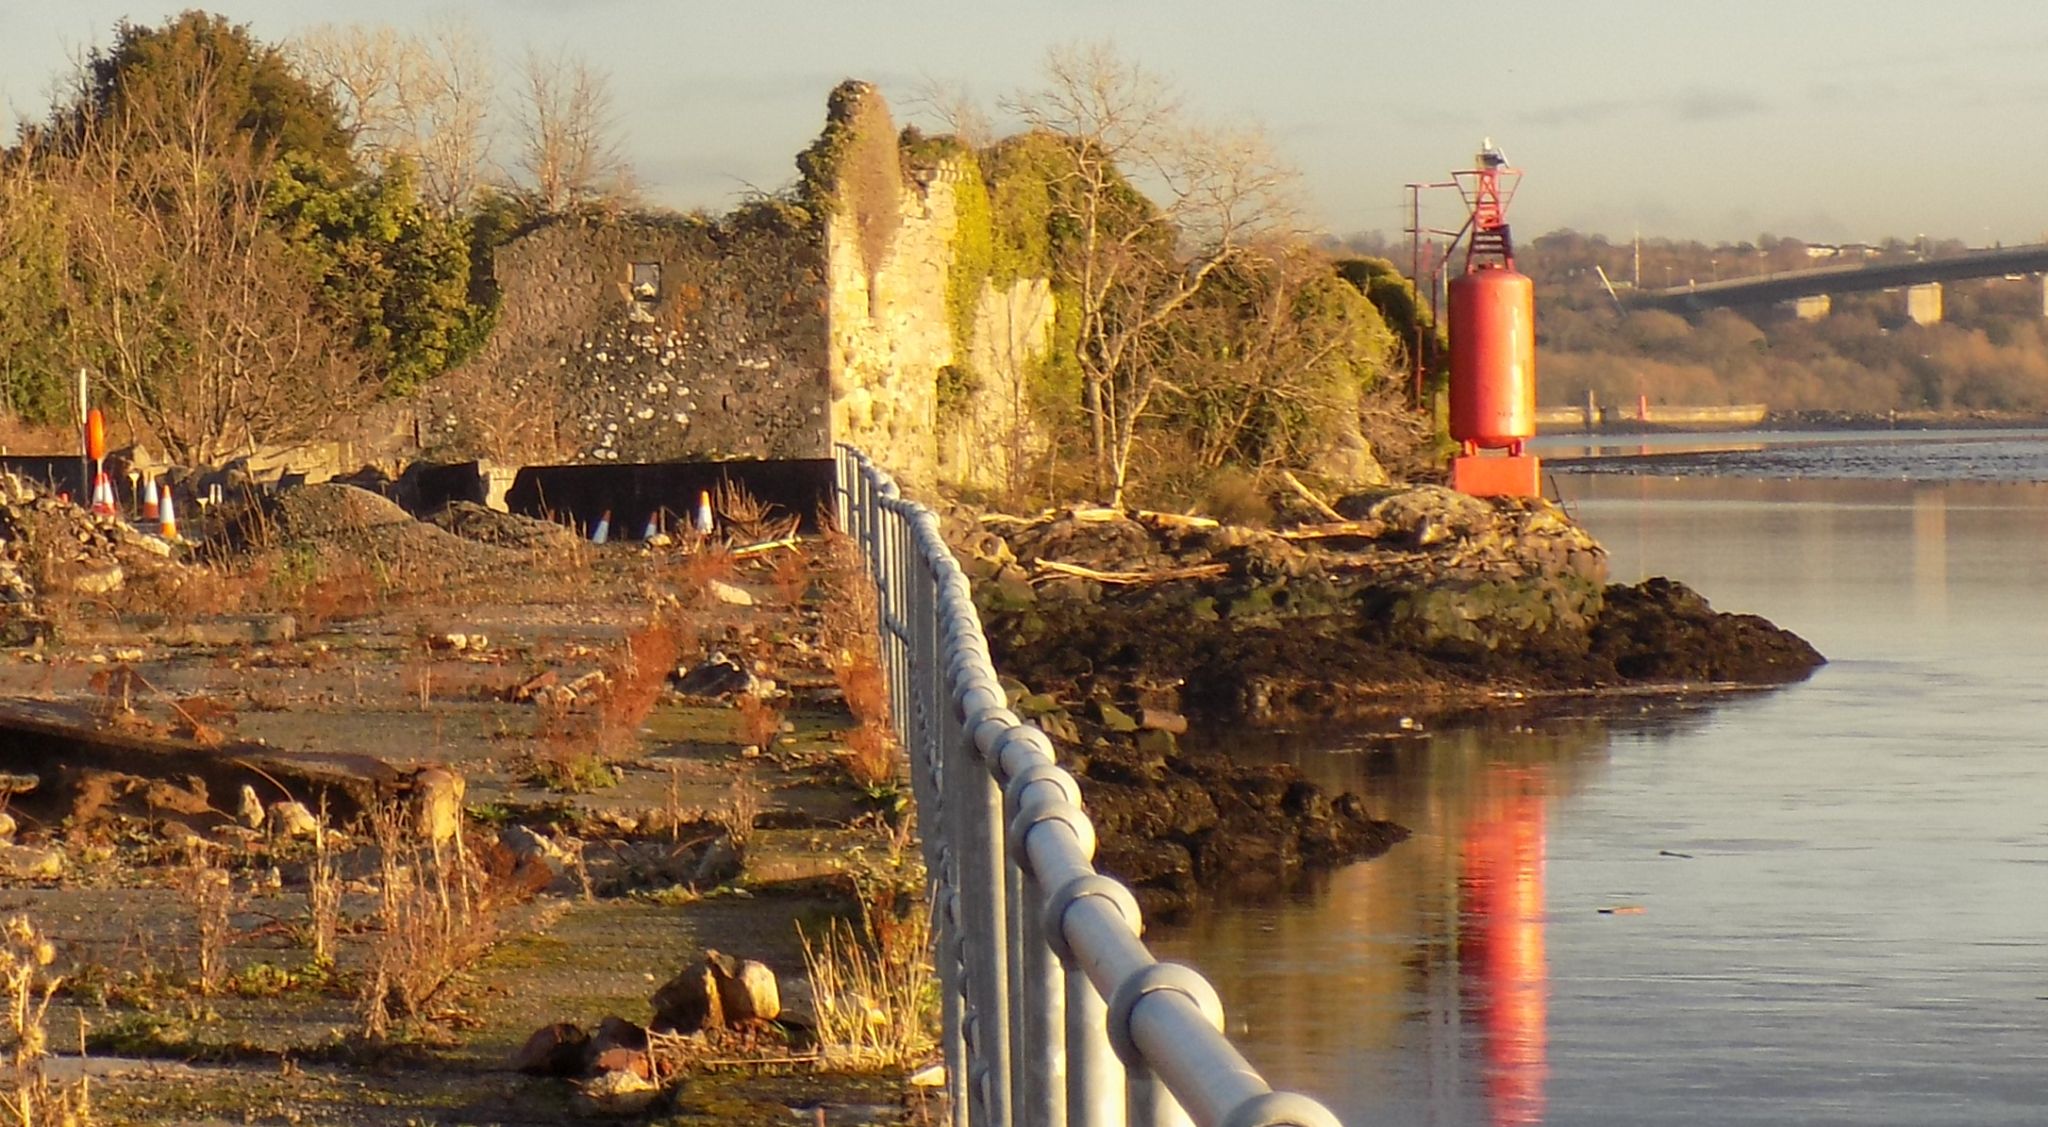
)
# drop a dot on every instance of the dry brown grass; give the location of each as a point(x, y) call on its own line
point(323, 894)
point(636, 677)
point(748, 519)
point(28, 1095)
point(759, 721)
point(433, 921)
point(871, 755)
point(210, 890)
point(872, 985)
point(848, 632)
point(565, 754)
point(693, 573)
point(790, 573)
point(741, 807)
point(576, 745)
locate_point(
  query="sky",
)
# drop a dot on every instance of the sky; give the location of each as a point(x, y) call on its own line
point(1722, 121)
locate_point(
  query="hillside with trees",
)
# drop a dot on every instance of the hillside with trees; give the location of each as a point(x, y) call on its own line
point(1989, 354)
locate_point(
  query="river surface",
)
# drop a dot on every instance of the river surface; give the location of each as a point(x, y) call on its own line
point(1824, 904)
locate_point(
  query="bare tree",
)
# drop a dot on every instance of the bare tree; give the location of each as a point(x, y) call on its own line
point(569, 144)
point(423, 97)
point(199, 320)
point(956, 112)
point(1279, 350)
point(1156, 206)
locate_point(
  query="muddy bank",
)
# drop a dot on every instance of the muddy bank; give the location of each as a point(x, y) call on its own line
point(1398, 602)
point(1178, 825)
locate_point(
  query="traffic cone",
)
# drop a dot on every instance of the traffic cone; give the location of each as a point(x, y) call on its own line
point(102, 495)
point(603, 531)
point(653, 528)
point(149, 498)
point(167, 517)
point(703, 513)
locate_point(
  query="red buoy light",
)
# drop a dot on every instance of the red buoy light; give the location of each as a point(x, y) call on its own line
point(1493, 343)
point(1493, 359)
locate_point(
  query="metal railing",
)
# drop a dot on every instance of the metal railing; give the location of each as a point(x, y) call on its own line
point(1052, 1012)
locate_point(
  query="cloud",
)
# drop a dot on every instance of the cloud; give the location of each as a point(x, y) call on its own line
point(1581, 113)
point(1691, 105)
point(1702, 104)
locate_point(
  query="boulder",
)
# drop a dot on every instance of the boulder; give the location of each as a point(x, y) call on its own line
point(292, 819)
point(553, 1050)
point(437, 794)
point(249, 810)
point(22, 862)
point(618, 1046)
point(617, 1094)
point(746, 988)
point(688, 1003)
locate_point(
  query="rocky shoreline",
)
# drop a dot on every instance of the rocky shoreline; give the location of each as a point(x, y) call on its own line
point(1123, 628)
point(1397, 600)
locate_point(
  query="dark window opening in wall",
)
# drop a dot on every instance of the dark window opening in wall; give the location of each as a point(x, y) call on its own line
point(645, 281)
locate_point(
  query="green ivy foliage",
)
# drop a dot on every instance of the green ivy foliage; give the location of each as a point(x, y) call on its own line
point(391, 271)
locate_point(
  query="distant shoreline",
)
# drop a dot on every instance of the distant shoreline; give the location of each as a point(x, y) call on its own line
point(1831, 420)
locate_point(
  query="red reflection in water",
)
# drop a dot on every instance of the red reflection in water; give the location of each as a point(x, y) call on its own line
point(1502, 941)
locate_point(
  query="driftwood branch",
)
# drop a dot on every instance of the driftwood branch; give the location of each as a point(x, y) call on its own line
point(763, 547)
point(1309, 495)
point(1368, 528)
point(1176, 520)
point(1049, 568)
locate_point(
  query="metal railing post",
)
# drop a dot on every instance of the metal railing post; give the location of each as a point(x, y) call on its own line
point(1053, 1012)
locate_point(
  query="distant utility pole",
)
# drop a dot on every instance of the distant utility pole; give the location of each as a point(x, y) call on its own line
point(1415, 232)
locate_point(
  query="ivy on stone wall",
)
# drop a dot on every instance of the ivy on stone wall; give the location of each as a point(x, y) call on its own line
point(854, 168)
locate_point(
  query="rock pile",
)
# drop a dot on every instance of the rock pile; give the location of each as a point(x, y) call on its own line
point(1419, 591)
point(623, 1067)
point(51, 546)
point(365, 526)
point(480, 523)
point(1177, 824)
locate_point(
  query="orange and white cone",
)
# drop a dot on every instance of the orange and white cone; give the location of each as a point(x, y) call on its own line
point(603, 531)
point(167, 517)
point(103, 495)
point(149, 499)
point(703, 523)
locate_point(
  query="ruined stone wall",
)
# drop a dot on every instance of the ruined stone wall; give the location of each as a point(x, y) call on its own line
point(984, 441)
point(893, 345)
point(773, 332)
point(718, 353)
point(889, 332)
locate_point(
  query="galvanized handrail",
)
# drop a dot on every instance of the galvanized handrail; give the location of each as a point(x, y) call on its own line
point(1053, 1012)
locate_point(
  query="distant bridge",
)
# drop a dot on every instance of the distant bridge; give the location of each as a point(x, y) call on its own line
point(1811, 290)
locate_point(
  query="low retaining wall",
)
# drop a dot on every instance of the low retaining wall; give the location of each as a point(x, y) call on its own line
point(581, 494)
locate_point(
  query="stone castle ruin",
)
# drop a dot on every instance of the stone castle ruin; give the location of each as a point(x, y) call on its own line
point(772, 332)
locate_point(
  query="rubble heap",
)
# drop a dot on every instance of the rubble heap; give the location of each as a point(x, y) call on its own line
point(50, 546)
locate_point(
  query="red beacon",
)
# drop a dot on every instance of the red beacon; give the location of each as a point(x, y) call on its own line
point(1493, 343)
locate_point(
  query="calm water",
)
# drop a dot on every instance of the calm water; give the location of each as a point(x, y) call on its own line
point(1823, 904)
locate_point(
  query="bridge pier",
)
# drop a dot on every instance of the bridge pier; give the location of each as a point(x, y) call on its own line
point(1923, 303)
point(1813, 307)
